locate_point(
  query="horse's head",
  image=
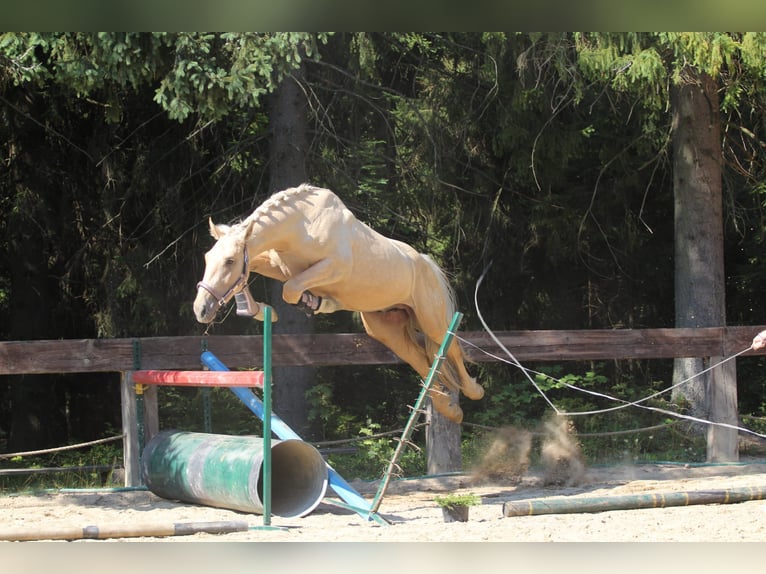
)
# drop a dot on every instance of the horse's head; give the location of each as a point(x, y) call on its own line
point(226, 270)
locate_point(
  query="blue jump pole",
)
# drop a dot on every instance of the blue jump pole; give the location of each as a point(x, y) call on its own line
point(343, 489)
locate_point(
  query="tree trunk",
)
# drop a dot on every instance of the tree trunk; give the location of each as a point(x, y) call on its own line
point(289, 143)
point(699, 259)
point(37, 419)
point(37, 411)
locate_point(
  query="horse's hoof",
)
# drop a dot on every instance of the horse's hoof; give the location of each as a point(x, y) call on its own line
point(442, 403)
point(309, 303)
point(453, 413)
point(472, 390)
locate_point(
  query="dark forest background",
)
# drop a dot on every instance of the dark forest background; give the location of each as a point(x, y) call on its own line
point(547, 156)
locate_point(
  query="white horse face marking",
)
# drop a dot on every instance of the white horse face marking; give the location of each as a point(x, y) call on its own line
point(225, 273)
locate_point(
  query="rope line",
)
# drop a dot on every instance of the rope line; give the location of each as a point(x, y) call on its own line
point(363, 438)
point(513, 361)
point(60, 448)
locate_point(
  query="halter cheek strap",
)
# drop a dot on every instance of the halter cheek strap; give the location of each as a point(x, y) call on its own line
point(239, 284)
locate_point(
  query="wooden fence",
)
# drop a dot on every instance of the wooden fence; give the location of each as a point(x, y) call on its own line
point(183, 353)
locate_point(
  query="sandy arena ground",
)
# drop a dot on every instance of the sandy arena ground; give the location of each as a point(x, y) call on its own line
point(415, 517)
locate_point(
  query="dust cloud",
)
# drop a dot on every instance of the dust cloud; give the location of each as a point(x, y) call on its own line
point(509, 451)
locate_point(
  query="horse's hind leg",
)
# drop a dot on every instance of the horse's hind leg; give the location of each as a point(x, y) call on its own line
point(431, 316)
point(468, 385)
point(391, 329)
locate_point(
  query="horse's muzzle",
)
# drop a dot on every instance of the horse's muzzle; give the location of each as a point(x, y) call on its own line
point(205, 306)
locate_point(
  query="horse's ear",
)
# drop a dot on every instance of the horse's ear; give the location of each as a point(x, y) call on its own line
point(215, 230)
point(249, 228)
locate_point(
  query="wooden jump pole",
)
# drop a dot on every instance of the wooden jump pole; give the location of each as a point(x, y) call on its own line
point(121, 531)
point(574, 505)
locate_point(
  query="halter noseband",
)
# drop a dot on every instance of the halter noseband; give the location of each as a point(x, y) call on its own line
point(238, 284)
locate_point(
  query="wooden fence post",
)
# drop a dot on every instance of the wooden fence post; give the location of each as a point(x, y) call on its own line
point(131, 445)
point(442, 441)
point(723, 442)
point(130, 448)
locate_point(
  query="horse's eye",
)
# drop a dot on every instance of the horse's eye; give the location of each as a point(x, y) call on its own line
point(230, 261)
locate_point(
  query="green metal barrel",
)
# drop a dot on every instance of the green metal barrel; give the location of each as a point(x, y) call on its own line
point(227, 472)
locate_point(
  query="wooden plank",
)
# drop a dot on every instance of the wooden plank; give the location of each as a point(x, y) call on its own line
point(299, 350)
point(200, 378)
point(595, 344)
point(737, 338)
point(177, 353)
point(65, 356)
point(182, 353)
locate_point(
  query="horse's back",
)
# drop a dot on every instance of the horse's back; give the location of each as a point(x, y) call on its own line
point(315, 199)
point(378, 272)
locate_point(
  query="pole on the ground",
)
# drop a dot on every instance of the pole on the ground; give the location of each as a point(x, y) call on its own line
point(572, 505)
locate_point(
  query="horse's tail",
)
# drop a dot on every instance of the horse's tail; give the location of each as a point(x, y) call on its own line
point(441, 289)
point(445, 287)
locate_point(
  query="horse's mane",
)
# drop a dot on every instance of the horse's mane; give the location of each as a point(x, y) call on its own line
point(279, 198)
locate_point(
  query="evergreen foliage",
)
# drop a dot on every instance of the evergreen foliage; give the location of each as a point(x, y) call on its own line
point(541, 159)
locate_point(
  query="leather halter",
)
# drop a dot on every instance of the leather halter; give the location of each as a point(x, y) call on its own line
point(239, 284)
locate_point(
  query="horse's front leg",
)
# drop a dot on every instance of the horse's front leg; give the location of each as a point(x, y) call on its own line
point(297, 290)
point(246, 305)
point(249, 307)
point(269, 264)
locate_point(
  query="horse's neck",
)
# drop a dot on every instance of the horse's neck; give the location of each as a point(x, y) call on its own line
point(277, 220)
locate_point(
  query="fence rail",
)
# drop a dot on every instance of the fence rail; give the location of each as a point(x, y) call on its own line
point(118, 355)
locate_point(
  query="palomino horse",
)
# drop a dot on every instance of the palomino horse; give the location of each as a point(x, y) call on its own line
point(329, 261)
